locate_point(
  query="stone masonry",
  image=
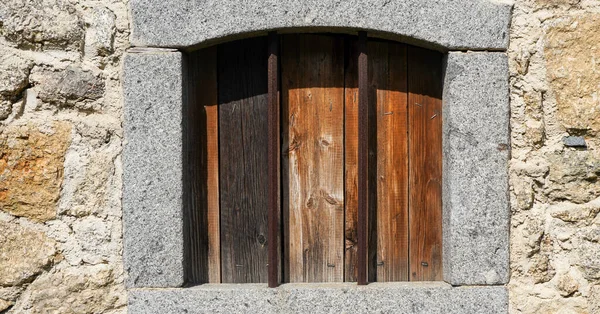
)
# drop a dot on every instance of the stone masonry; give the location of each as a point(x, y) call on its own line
point(60, 147)
point(554, 58)
point(61, 138)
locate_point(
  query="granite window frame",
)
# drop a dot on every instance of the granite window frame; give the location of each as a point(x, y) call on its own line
point(476, 216)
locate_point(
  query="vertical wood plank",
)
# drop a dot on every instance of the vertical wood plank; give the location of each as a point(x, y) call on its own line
point(313, 157)
point(351, 160)
point(204, 167)
point(387, 185)
point(273, 160)
point(425, 165)
point(388, 70)
point(243, 167)
point(363, 158)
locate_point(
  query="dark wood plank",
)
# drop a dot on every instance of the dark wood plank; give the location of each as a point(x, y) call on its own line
point(203, 157)
point(387, 76)
point(363, 158)
point(243, 166)
point(425, 164)
point(313, 157)
point(274, 161)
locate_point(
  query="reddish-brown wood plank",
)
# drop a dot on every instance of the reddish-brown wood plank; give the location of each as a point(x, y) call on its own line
point(425, 164)
point(388, 69)
point(388, 162)
point(313, 157)
point(243, 136)
point(203, 158)
point(351, 161)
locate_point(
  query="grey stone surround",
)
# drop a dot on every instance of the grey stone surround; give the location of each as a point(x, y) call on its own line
point(450, 24)
point(428, 298)
point(153, 163)
point(475, 151)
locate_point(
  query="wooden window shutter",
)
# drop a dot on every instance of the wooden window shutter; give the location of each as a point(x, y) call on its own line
point(276, 125)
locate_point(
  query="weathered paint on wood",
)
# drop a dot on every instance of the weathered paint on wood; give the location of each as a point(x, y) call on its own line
point(313, 157)
point(388, 69)
point(203, 156)
point(425, 164)
point(242, 84)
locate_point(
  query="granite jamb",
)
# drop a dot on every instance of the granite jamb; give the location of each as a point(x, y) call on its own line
point(475, 184)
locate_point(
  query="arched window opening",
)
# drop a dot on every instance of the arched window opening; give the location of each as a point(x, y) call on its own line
point(227, 175)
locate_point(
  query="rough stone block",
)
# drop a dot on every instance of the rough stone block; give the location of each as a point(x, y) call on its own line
point(152, 169)
point(72, 86)
point(24, 253)
point(41, 24)
point(78, 289)
point(14, 74)
point(572, 54)
point(475, 178)
point(32, 167)
point(322, 298)
point(463, 24)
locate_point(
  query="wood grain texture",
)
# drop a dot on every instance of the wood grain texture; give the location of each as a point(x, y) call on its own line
point(203, 156)
point(425, 168)
point(351, 160)
point(313, 157)
point(243, 160)
point(388, 162)
point(388, 70)
point(274, 162)
point(365, 133)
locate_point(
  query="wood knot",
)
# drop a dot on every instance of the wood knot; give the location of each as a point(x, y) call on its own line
point(329, 198)
point(310, 203)
point(294, 145)
point(261, 239)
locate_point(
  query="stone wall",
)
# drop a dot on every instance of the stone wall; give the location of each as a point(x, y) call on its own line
point(61, 141)
point(60, 147)
point(555, 191)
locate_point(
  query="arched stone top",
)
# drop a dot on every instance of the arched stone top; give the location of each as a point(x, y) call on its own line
point(445, 24)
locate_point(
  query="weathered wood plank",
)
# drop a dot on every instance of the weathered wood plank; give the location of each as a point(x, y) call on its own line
point(364, 229)
point(351, 160)
point(313, 157)
point(425, 168)
point(388, 70)
point(243, 160)
point(203, 157)
point(388, 162)
point(274, 161)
